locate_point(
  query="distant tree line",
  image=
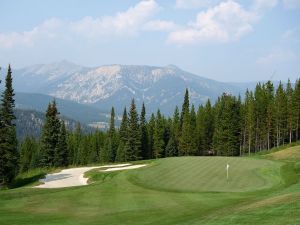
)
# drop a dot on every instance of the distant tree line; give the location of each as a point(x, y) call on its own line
point(266, 117)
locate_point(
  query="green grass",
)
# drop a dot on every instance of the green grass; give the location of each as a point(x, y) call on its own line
point(186, 190)
point(208, 174)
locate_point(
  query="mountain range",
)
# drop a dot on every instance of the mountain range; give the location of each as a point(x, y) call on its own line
point(115, 85)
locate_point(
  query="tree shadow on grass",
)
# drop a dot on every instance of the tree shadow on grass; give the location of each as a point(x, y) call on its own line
point(22, 181)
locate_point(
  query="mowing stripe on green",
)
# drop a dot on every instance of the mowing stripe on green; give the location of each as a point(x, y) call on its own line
point(208, 174)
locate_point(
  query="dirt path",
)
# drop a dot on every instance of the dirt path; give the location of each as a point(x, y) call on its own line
point(75, 176)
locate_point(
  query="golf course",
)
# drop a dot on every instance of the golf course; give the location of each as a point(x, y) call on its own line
point(261, 189)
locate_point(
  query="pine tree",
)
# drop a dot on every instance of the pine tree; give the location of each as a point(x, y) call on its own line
point(185, 141)
point(280, 114)
point(226, 139)
point(175, 132)
point(106, 150)
point(292, 113)
point(95, 146)
point(185, 106)
point(8, 141)
point(124, 127)
point(112, 136)
point(270, 112)
point(50, 136)
point(151, 130)
point(158, 136)
point(120, 157)
point(249, 119)
point(133, 144)
point(123, 133)
point(77, 139)
point(25, 154)
point(28, 151)
point(193, 131)
point(144, 134)
point(61, 150)
point(208, 126)
point(260, 116)
point(201, 148)
point(171, 148)
point(297, 106)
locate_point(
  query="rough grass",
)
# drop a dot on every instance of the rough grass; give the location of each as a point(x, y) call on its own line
point(291, 154)
point(133, 197)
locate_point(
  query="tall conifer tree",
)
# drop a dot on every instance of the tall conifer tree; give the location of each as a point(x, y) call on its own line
point(9, 155)
point(185, 106)
point(201, 149)
point(112, 142)
point(280, 114)
point(226, 140)
point(50, 136)
point(133, 145)
point(208, 126)
point(270, 112)
point(151, 130)
point(123, 133)
point(158, 136)
point(185, 141)
point(144, 134)
point(297, 103)
point(292, 113)
point(61, 150)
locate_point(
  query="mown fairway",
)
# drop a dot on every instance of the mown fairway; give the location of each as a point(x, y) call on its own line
point(208, 174)
point(187, 190)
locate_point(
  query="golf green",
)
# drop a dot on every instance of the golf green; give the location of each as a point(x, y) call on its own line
point(198, 174)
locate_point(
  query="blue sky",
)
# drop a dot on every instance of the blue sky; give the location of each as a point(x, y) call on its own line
point(230, 40)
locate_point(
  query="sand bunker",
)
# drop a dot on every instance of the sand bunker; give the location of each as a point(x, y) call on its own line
point(125, 168)
point(75, 176)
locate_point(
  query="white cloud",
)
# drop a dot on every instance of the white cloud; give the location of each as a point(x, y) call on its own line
point(127, 23)
point(192, 4)
point(260, 5)
point(225, 22)
point(123, 23)
point(160, 25)
point(277, 56)
point(228, 21)
point(46, 30)
point(291, 4)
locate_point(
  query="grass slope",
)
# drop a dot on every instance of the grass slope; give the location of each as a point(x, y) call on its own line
point(133, 197)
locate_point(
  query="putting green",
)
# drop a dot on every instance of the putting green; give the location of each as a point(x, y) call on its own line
point(208, 174)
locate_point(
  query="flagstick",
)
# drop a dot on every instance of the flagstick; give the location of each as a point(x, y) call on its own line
point(227, 169)
point(227, 173)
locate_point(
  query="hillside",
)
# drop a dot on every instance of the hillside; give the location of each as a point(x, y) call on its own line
point(115, 85)
point(30, 122)
point(79, 112)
